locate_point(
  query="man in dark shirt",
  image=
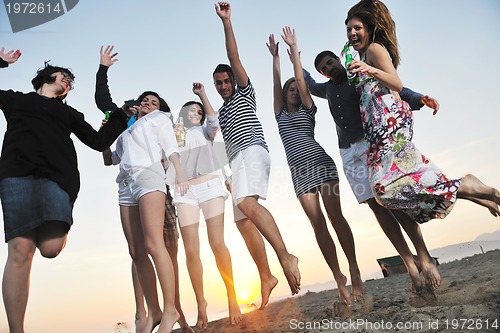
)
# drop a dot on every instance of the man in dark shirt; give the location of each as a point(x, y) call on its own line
point(343, 101)
point(39, 178)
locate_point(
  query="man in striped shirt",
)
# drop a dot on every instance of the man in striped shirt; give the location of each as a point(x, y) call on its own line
point(249, 159)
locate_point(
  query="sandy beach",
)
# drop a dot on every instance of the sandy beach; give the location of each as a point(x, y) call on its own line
point(467, 301)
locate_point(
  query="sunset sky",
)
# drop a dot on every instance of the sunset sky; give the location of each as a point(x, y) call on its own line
point(446, 47)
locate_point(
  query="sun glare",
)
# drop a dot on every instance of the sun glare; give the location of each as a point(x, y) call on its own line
point(247, 298)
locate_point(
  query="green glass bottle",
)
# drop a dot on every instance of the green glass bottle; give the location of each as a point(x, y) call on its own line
point(353, 78)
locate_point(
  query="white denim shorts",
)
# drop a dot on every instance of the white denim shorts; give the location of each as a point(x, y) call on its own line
point(356, 170)
point(132, 189)
point(250, 173)
point(199, 193)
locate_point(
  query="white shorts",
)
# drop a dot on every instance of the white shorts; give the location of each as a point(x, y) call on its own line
point(250, 173)
point(356, 170)
point(199, 193)
point(131, 190)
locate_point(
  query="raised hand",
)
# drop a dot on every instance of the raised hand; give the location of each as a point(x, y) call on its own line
point(273, 46)
point(223, 9)
point(289, 36)
point(11, 56)
point(198, 88)
point(107, 58)
point(430, 102)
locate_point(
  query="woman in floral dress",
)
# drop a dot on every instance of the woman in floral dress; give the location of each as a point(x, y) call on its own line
point(401, 176)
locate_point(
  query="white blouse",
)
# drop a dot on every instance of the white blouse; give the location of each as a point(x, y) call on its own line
point(199, 157)
point(144, 145)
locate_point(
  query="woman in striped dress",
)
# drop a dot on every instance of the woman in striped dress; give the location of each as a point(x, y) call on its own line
point(314, 173)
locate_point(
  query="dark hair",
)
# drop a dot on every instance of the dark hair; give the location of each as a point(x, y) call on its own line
point(321, 55)
point(379, 23)
point(184, 110)
point(286, 86)
point(223, 68)
point(163, 104)
point(44, 75)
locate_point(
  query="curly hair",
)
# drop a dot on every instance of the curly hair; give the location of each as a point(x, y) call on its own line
point(378, 21)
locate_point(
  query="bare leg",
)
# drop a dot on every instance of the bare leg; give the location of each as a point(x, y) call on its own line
point(172, 252)
point(152, 212)
point(392, 230)
point(16, 277)
point(215, 227)
point(428, 266)
point(189, 216)
point(266, 224)
point(140, 311)
point(50, 238)
point(256, 247)
point(312, 208)
point(132, 229)
point(330, 192)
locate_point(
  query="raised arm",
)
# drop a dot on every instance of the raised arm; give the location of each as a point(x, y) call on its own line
point(379, 65)
point(291, 39)
point(199, 90)
point(212, 126)
point(8, 58)
point(102, 95)
point(277, 89)
point(223, 10)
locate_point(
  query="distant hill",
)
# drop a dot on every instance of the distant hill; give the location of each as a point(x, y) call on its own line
point(491, 236)
point(459, 251)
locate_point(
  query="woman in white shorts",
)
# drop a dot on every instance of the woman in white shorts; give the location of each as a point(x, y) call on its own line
point(140, 151)
point(206, 193)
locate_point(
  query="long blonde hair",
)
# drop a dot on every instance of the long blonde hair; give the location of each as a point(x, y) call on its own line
point(378, 21)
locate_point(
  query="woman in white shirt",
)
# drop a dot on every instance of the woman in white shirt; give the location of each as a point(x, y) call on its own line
point(205, 193)
point(140, 150)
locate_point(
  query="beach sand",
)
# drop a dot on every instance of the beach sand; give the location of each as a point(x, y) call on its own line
point(467, 301)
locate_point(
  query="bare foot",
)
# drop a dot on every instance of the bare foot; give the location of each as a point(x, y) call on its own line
point(342, 289)
point(234, 312)
point(202, 321)
point(471, 186)
point(290, 265)
point(492, 206)
point(185, 328)
point(432, 278)
point(152, 321)
point(357, 288)
point(266, 288)
point(140, 322)
point(169, 318)
point(416, 282)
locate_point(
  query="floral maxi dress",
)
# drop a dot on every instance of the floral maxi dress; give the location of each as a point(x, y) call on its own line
point(401, 177)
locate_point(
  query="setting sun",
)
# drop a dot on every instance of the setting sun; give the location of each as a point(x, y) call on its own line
point(248, 297)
